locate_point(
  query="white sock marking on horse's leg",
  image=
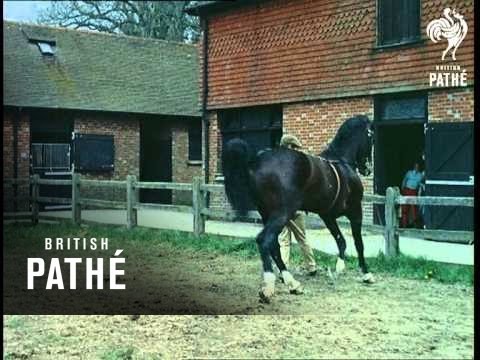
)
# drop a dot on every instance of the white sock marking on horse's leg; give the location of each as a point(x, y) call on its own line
point(292, 284)
point(368, 278)
point(340, 267)
point(269, 284)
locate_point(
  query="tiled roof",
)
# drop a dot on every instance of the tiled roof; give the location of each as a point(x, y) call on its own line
point(98, 71)
point(302, 50)
point(208, 7)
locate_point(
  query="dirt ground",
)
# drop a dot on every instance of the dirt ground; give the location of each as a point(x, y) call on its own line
point(393, 318)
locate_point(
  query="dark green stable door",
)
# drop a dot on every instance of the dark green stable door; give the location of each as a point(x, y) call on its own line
point(156, 161)
point(449, 172)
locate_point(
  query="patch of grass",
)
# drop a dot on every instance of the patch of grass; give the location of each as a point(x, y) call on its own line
point(402, 266)
point(15, 322)
point(145, 239)
point(122, 353)
point(423, 269)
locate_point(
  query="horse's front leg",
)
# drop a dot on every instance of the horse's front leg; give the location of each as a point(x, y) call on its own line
point(332, 226)
point(356, 226)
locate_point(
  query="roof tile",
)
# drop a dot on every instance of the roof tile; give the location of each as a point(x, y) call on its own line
point(98, 71)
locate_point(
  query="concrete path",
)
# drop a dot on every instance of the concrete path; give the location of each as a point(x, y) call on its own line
point(319, 238)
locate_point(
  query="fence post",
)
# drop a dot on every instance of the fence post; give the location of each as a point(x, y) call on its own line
point(391, 223)
point(76, 207)
point(131, 202)
point(35, 195)
point(198, 205)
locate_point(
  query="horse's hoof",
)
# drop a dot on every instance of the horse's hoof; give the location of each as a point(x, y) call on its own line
point(368, 278)
point(297, 291)
point(264, 299)
point(340, 266)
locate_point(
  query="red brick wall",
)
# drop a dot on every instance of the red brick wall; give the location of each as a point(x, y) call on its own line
point(126, 133)
point(8, 144)
point(451, 105)
point(295, 50)
point(23, 156)
point(316, 123)
point(215, 145)
point(183, 170)
point(126, 137)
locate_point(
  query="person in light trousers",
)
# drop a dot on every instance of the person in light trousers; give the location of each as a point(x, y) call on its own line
point(296, 225)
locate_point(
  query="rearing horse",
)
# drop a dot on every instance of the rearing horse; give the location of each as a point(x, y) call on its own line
point(282, 181)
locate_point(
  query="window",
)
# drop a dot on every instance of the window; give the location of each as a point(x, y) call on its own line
point(260, 127)
point(195, 141)
point(50, 156)
point(46, 48)
point(398, 21)
point(402, 107)
point(93, 152)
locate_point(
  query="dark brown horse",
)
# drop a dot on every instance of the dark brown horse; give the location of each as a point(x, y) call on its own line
point(282, 181)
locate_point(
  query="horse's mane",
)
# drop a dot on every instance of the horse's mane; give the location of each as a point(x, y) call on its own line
point(343, 137)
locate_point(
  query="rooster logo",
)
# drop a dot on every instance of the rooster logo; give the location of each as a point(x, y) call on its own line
point(453, 29)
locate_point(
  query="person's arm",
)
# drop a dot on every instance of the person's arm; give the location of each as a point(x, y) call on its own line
point(404, 181)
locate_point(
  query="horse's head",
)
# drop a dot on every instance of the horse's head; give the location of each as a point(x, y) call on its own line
point(364, 150)
point(353, 144)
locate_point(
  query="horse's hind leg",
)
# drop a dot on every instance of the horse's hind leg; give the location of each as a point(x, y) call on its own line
point(332, 226)
point(268, 246)
point(268, 276)
point(294, 286)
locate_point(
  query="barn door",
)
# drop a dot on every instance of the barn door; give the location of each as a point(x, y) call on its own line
point(155, 161)
point(260, 127)
point(52, 161)
point(449, 172)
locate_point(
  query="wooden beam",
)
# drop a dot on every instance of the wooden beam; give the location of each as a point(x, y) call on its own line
point(104, 203)
point(176, 208)
point(198, 201)
point(164, 185)
point(436, 200)
point(391, 223)
point(54, 200)
point(131, 202)
point(106, 183)
point(457, 237)
point(76, 206)
point(54, 182)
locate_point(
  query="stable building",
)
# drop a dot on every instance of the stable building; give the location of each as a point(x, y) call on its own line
point(105, 106)
point(303, 67)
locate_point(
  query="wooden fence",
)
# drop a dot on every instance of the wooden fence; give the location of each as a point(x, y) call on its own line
point(201, 212)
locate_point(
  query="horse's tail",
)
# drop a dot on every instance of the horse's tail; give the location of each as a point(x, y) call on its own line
point(237, 155)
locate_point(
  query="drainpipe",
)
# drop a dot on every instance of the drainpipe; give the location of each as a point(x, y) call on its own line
point(205, 120)
point(16, 119)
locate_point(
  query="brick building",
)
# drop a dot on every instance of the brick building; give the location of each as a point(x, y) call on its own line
point(103, 105)
point(304, 66)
